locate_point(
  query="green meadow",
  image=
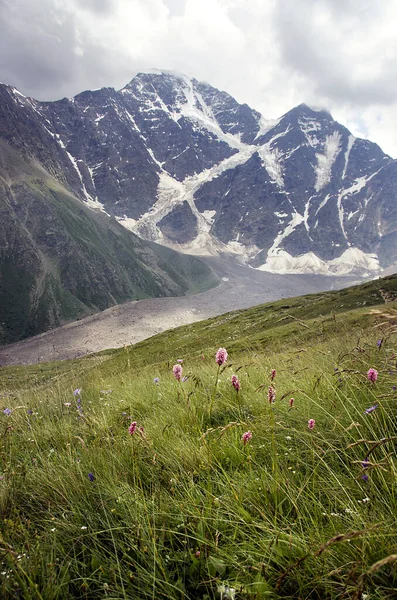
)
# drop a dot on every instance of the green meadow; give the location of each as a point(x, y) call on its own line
point(182, 506)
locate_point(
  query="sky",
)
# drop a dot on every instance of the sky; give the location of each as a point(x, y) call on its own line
point(340, 55)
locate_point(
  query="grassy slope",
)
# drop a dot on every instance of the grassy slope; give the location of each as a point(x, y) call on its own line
point(185, 507)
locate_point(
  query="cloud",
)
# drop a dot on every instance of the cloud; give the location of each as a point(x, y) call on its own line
point(273, 54)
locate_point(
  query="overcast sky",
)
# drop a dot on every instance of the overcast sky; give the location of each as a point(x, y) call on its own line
point(271, 54)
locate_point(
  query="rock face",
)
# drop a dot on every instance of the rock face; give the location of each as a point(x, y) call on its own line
point(181, 163)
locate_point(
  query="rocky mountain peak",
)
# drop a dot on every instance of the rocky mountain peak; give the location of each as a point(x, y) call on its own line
point(180, 162)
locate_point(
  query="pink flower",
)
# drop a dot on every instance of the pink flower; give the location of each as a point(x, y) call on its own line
point(236, 383)
point(180, 361)
point(273, 374)
point(291, 402)
point(221, 356)
point(271, 394)
point(132, 427)
point(372, 375)
point(246, 437)
point(197, 555)
point(311, 423)
point(177, 371)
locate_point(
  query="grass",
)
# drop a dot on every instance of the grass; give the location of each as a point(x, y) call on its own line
point(183, 509)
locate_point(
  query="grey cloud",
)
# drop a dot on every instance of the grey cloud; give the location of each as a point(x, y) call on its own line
point(99, 6)
point(304, 49)
point(39, 53)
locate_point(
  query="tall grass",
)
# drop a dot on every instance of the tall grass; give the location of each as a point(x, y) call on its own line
point(183, 509)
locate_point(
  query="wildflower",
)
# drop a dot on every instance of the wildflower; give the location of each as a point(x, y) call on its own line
point(394, 388)
point(177, 371)
point(365, 463)
point(156, 380)
point(364, 477)
point(180, 361)
point(291, 402)
point(273, 374)
point(271, 394)
point(197, 553)
point(246, 437)
point(77, 392)
point(83, 527)
point(141, 429)
point(221, 356)
point(372, 375)
point(67, 404)
point(379, 343)
point(7, 411)
point(185, 378)
point(30, 412)
point(132, 427)
point(226, 592)
point(91, 476)
point(311, 423)
point(236, 383)
point(371, 409)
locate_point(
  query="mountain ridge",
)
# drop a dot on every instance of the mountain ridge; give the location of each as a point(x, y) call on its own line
point(179, 162)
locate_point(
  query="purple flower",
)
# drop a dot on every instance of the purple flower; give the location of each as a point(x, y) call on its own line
point(364, 477)
point(394, 388)
point(372, 375)
point(180, 361)
point(236, 383)
point(371, 409)
point(132, 428)
point(221, 356)
point(246, 437)
point(177, 371)
point(311, 423)
point(156, 380)
point(30, 412)
point(271, 394)
point(365, 463)
point(379, 343)
point(7, 411)
point(77, 392)
point(91, 476)
point(185, 378)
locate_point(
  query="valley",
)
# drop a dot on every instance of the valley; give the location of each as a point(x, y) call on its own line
point(240, 287)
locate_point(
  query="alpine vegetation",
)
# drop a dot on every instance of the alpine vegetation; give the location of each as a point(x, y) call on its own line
point(119, 478)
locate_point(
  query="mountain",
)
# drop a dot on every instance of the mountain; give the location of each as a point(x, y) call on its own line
point(181, 163)
point(59, 260)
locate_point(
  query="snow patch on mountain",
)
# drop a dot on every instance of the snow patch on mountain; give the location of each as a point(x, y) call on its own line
point(271, 160)
point(326, 160)
point(296, 220)
point(352, 261)
point(350, 143)
point(266, 125)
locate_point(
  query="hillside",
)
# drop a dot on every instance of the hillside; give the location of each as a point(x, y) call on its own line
point(120, 481)
point(60, 261)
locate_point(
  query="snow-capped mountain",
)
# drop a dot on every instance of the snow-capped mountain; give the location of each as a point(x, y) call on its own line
point(179, 162)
